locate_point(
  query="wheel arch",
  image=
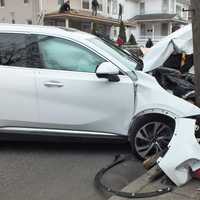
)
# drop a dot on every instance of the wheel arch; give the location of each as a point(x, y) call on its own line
point(151, 113)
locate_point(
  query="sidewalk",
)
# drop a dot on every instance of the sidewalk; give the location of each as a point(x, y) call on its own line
point(187, 192)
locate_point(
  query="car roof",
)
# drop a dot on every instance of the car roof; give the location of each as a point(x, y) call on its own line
point(45, 30)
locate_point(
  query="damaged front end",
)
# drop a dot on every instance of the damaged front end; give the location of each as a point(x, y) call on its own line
point(181, 85)
point(183, 155)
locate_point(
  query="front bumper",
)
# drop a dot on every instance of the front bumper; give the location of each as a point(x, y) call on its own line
point(183, 155)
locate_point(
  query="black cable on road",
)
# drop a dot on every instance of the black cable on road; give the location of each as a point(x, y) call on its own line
point(117, 161)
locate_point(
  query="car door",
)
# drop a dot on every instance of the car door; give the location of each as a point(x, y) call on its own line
point(18, 106)
point(71, 97)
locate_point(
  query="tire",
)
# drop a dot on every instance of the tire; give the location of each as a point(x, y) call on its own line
point(150, 134)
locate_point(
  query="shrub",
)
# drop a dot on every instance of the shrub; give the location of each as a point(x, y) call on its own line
point(132, 40)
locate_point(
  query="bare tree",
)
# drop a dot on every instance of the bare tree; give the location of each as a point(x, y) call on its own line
point(196, 38)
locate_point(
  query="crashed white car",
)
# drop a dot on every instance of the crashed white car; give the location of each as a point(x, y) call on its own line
point(57, 82)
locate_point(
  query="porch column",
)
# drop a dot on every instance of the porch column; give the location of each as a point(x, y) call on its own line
point(153, 32)
point(170, 28)
point(67, 23)
point(105, 10)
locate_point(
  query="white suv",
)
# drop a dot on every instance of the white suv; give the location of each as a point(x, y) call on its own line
point(59, 82)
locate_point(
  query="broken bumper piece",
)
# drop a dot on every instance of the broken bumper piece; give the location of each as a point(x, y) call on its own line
point(183, 155)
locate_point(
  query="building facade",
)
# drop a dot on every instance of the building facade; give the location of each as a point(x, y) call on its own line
point(143, 18)
point(19, 11)
point(156, 19)
point(81, 16)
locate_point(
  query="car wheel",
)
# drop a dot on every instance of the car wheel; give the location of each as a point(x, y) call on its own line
point(150, 135)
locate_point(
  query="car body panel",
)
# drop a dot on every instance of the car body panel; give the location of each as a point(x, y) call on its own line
point(18, 96)
point(85, 102)
point(151, 96)
point(176, 164)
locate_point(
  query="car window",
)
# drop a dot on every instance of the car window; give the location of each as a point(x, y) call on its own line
point(61, 54)
point(13, 49)
point(115, 52)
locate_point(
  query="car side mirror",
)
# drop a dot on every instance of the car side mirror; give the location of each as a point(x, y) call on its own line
point(109, 71)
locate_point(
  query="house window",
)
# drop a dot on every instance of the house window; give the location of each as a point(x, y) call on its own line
point(100, 5)
point(165, 6)
point(86, 27)
point(178, 10)
point(142, 30)
point(109, 7)
point(172, 6)
point(189, 16)
point(186, 14)
point(60, 2)
point(29, 21)
point(164, 29)
point(114, 9)
point(115, 32)
point(85, 4)
point(26, 1)
point(142, 8)
point(2, 3)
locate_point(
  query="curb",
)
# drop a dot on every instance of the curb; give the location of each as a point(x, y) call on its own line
point(142, 184)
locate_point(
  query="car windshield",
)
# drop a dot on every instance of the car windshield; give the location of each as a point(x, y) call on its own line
point(120, 55)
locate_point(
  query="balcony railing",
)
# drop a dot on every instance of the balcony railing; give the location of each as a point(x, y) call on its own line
point(142, 39)
point(153, 37)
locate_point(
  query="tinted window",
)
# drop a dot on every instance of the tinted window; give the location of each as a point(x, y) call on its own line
point(13, 50)
point(115, 52)
point(61, 54)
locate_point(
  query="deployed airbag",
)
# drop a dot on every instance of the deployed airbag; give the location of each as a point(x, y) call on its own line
point(178, 42)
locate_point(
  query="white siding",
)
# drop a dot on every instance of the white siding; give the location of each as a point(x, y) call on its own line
point(21, 12)
point(53, 6)
point(131, 9)
point(50, 5)
point(153, 6)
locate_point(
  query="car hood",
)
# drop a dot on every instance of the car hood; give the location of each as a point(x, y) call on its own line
point(151, 96)
point(179, 42)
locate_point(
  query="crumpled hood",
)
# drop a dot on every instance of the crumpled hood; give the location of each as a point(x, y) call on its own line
point(150, 95)
point(180, 42)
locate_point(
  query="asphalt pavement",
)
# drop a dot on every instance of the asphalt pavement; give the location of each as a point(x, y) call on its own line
point(48, 171)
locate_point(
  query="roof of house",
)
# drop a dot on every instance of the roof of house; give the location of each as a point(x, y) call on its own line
point(156, 17)
point(85, 15)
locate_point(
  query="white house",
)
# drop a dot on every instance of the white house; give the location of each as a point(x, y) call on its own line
point(153, 18)
point(158, 18)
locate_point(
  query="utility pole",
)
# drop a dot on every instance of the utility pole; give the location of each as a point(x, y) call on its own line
point(196, 43)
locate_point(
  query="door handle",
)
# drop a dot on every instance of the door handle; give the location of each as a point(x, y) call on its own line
point(53, 84)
